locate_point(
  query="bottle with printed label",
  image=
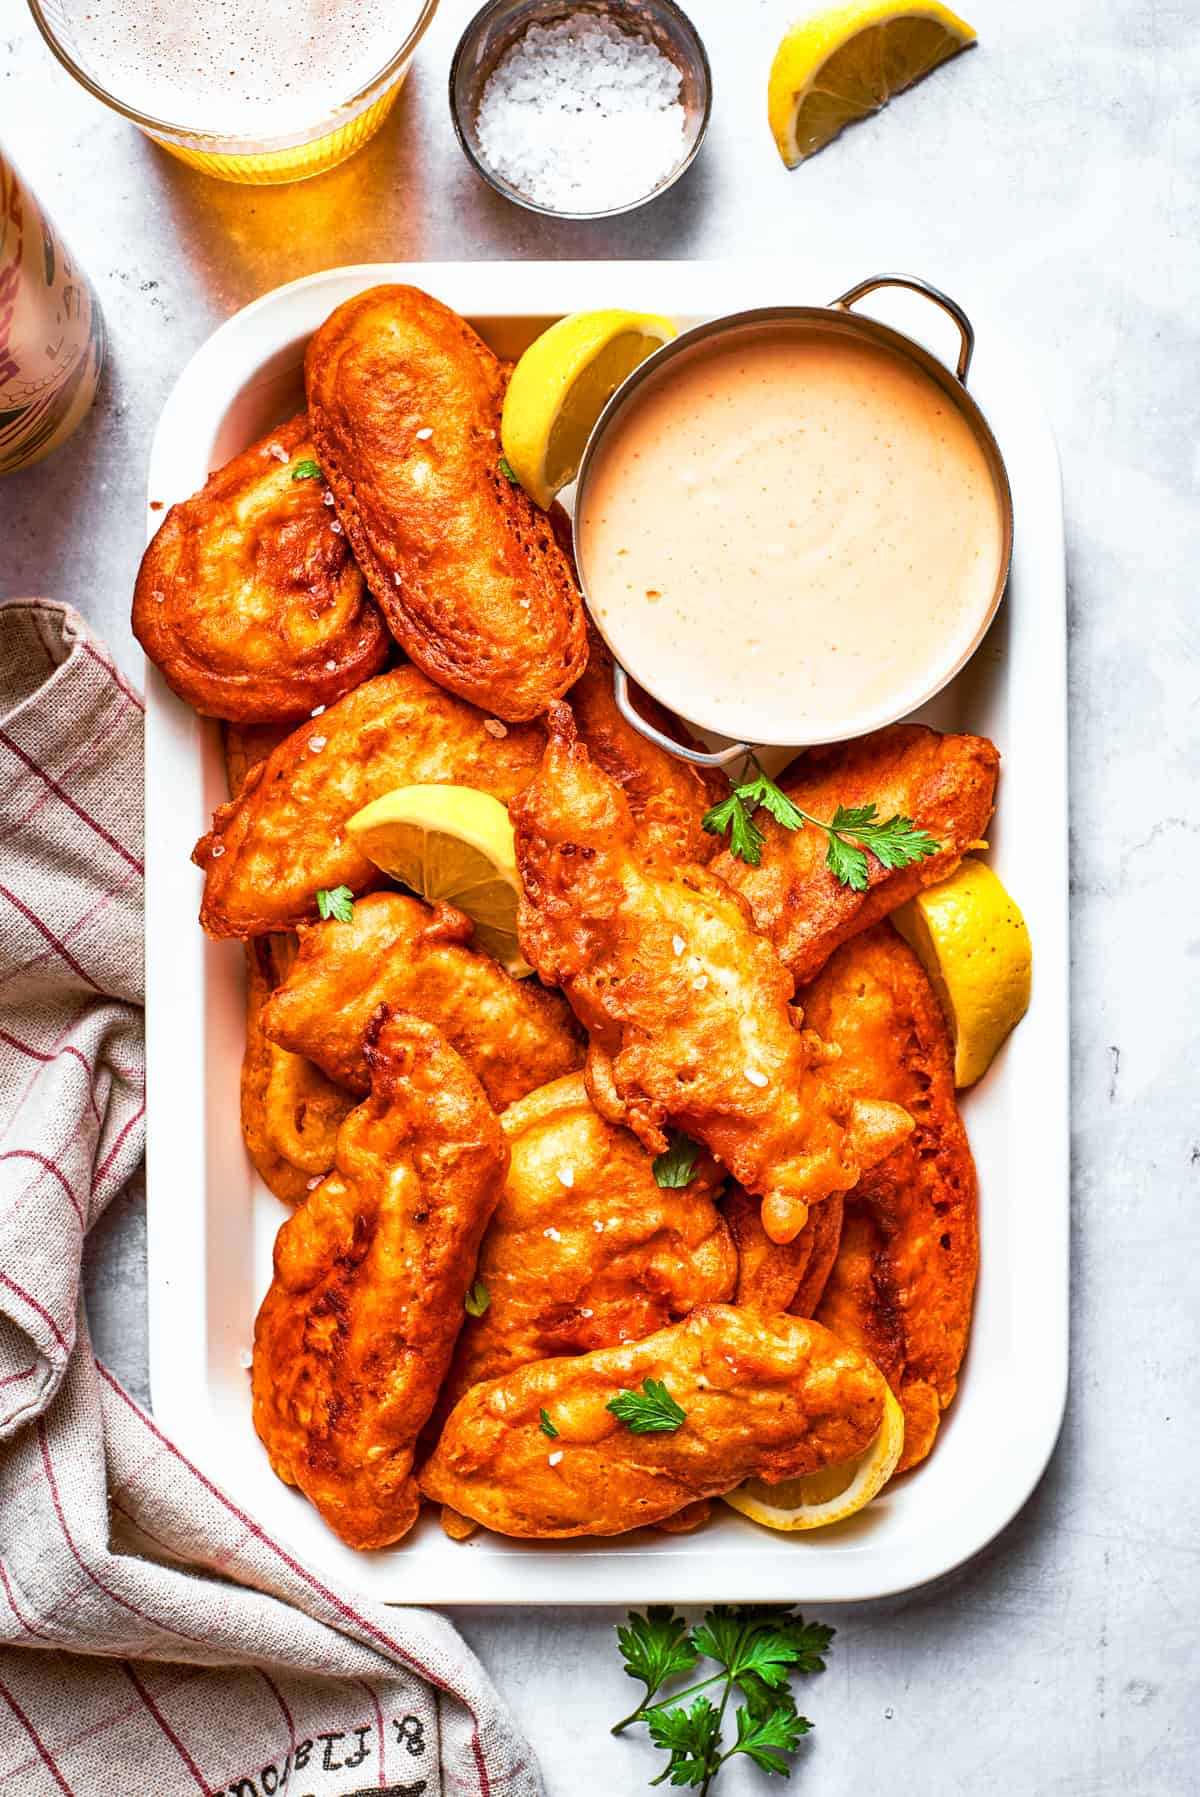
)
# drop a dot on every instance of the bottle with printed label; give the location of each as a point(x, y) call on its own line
point(51, 331)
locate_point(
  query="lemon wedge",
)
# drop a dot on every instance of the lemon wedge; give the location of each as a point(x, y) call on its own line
point(832, 1494)
point(975, 947)
point(560, 387)
point(844, 63)
point(453, 843)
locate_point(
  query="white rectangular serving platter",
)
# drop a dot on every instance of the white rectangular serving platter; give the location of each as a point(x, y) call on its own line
point(212, 1223)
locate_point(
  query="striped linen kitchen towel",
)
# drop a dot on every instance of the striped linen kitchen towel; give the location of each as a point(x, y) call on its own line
point(154, 1639)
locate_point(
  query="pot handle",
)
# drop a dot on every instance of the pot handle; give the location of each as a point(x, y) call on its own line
point(915, 285)
point(701, 758)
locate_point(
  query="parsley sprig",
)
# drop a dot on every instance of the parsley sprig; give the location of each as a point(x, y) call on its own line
point(651, 1411)
point(336, 902)
point(677, 1162)
point(757, 1652)
point(855, 829)
point(307, 469)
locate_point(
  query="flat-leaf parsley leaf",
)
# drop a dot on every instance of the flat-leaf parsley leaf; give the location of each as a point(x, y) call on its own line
point(652, 1411)
point(477, 1299)
point(307, 470)
point(855, 829)
point(336, 902)
point(677, 1162)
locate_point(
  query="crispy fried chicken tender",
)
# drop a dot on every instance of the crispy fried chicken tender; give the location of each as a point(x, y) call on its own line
point(404, 401)
point(687, 1006)
point(769, 1397)
point(283, 837)
point(902, 1286)
point(514, 1035)
point(355, 1334)
point(291, 1112)
point(247, 599)
point(946, 784)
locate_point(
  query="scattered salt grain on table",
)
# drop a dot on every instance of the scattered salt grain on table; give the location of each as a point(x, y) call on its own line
point(579, 116)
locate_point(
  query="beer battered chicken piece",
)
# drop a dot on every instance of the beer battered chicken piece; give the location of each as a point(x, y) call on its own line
point(248, 599)
point(404, 401)
point(687, 1006)
point(396, 950)
point(667, 796)
point(903, 1282)
point(782, 1275)
point(946, 784)
point(585, 1249)
point(770, 1397)
point(291, 1112)
point(356, 1332)
point(283, 838)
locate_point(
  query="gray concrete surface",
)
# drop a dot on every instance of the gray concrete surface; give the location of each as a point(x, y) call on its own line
point(1049, 179)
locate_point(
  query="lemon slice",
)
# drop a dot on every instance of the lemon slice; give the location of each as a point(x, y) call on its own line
point(560, 387)
point(975, 947)
point(832, 1494)
point(453, 843)
point(844, 63)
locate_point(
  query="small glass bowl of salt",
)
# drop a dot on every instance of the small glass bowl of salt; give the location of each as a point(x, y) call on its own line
point(580, 108)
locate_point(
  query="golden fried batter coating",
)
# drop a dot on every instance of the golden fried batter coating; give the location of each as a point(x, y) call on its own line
point(946, 784)
point(667, 796)
point(283, 838)
point(248, 599)
point(770, 1397)
point(585, 1249)
point(782, 1275)
point(356, 1332)
point(687, 1006)
point(405, 403)
point(902, 1286)
point(243, 746)
point(514, 1035)
point(291, 1113)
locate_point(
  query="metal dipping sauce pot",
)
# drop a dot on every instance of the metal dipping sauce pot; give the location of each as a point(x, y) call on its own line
point(802, 320)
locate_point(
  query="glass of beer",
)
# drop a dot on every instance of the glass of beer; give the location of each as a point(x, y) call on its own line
point(274, 91)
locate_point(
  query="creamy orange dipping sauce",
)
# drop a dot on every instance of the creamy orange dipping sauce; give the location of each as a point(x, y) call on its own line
point(790, 536)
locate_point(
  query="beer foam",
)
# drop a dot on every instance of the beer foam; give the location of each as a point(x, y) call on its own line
point(236, 69)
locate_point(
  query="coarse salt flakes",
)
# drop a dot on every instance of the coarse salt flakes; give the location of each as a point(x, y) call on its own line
point(566, 1176)
point(317, 743)
point(678, 944)
point(279, 452)
point(700, 982)
point(245, 1360)
point(331, 667)
point(217, 850)
point(554, 1458)
point(494, 727)
point(755, 1077)
point(327, 497)
point(552, 1234)
point(316, 711)
point(335, 527)
point(424, 435)
point(579, 116)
